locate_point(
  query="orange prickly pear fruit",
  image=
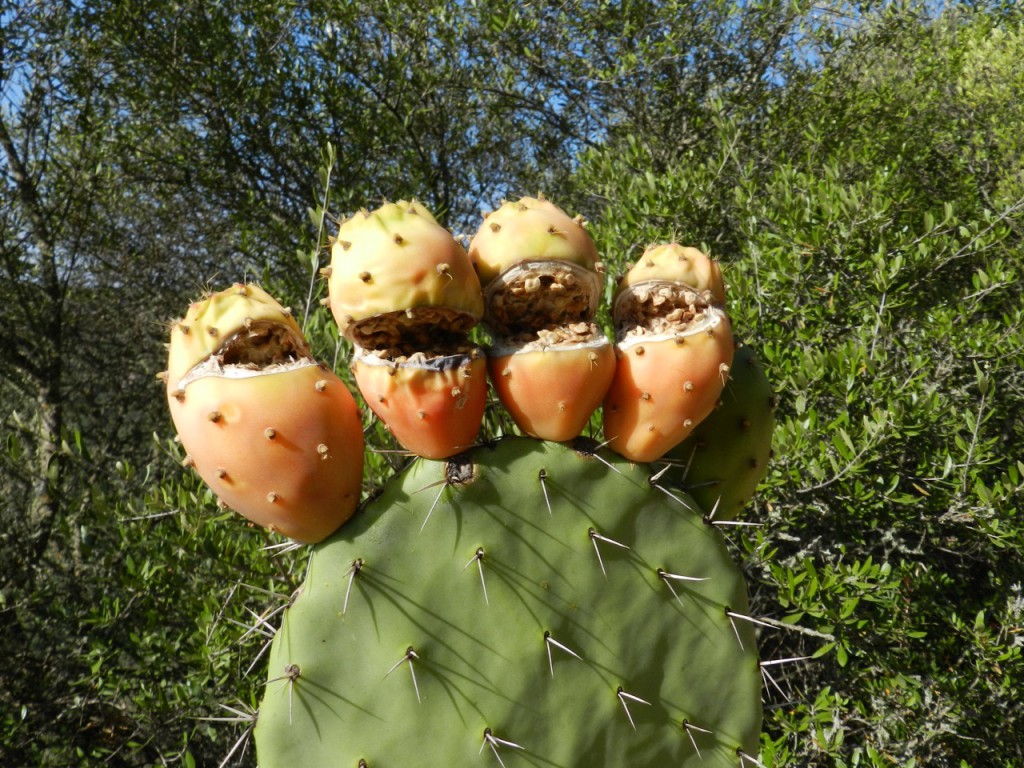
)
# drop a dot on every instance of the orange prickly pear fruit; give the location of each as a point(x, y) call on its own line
point(396, 268)
point(275, 435)
point(551, 385)
point(432, 405)
point(538, 267)
point(674, 346)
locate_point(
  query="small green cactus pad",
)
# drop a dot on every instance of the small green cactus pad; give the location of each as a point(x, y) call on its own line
point(727, 455)
point(524, 604)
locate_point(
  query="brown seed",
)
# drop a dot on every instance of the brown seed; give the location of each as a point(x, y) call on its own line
point(272, 497)
point(639, 351)
point(270, 433)
point(399, 239)
point(321, 385)
point(645, 396)
point(222, 473)
point(212, 331)
point(345, 245)
point(421, 414)
point(188, 462)
point(326, 271)
point(366, 277)
point(688, 386)
point(495, 227)
point(214, 416)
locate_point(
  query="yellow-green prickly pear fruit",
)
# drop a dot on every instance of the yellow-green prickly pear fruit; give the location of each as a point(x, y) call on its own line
point(396, 267)
point(275, 435)
point(538, 267)
point(674, 347)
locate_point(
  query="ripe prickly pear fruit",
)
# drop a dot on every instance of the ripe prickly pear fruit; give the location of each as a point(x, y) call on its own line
point(727, 455)
point(545, 605)
point(551, 384)
point(396, 268)
point(432, 405)
point(674, 347)
point(538, 267)
point(275, 435)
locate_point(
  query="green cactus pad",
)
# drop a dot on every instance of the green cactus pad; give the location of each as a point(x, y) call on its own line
point(486, 610)
point(727, 454)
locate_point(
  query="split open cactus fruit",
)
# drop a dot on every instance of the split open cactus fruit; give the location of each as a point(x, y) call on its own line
point(403, 289)
point(276, 436)
point(526, 603)
point(550, 363)
point(674, 347)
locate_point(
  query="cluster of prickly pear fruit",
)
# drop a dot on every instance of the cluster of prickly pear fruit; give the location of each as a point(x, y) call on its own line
point(551, 602)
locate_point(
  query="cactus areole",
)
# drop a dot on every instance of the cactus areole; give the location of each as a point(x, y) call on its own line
point(275, 435)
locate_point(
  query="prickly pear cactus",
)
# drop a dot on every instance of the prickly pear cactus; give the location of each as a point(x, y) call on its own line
point(539, 600)
point(525, 603)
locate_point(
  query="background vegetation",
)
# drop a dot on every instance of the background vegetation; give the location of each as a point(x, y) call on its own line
point(858, 168)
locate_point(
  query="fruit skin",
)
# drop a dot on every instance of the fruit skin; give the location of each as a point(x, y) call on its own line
point(530, 229)
point(407, 573)
point(551, 391)
point(672, 262)
point(665, 385)
point(238, 366)
point(434, 407)
point(727, 455)
point(398, 258)
point(283, 449)
point(215, 318)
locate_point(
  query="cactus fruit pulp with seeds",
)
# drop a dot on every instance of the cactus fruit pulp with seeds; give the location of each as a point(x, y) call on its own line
point(726, 456)
point(276, 436)
point(674, 346)
point(403, 290)
point(526, 603)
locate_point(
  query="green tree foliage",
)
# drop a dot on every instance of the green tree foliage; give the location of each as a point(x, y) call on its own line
point(872, 240)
